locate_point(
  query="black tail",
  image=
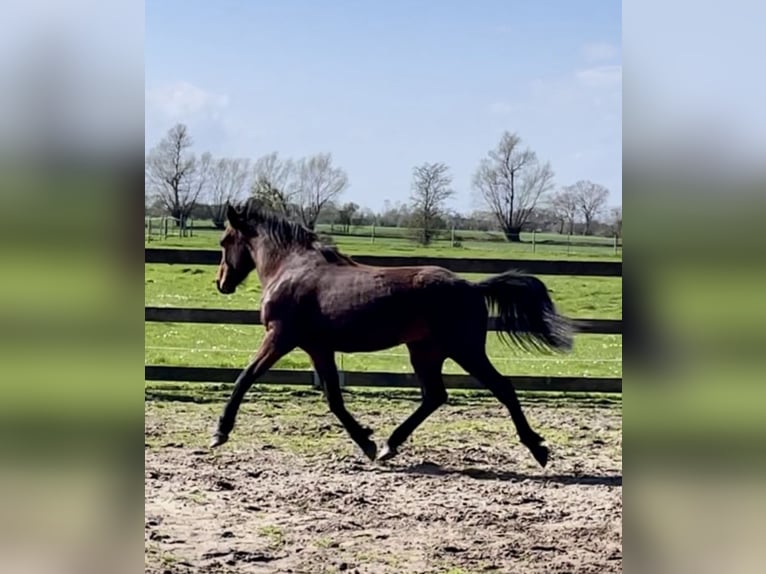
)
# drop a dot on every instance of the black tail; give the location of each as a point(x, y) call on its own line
point(526, 313)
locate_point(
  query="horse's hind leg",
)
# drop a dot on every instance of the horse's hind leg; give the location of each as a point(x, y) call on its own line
point(427, 360)
point(477, 364)
point(324, 363)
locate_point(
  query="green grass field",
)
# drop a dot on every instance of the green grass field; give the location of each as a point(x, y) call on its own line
point(232, 345)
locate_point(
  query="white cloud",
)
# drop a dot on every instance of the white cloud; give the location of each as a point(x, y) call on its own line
point(501, 108)
point(206, 114)
point(589, 154)
point(503, 29)
point(183, 100)
point(599, 52)
point(581, 109)
point(600, 77)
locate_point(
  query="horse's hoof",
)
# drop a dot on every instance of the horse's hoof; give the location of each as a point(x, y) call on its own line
point(540, 452)
point(218, 439)
point(387, 453)
point(370, 449)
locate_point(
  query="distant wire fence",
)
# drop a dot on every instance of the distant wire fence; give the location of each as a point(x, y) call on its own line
point(401, 360)
point(382, 379)
point(166, 226)
point(456, 237)
point(226, 351)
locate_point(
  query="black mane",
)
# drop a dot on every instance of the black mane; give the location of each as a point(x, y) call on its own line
point(282, 231)
point(288, 234)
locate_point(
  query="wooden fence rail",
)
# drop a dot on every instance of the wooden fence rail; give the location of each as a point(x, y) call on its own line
point(379, 379)
point(246, 317)
point(534, 266)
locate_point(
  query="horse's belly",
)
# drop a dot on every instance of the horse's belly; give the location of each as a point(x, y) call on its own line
point(355, 337)
point(364, 345)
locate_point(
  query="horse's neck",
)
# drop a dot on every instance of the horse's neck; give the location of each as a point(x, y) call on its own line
point(270, 261)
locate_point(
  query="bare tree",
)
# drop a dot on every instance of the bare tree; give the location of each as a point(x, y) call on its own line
point(347, 214)
point(511, 181)
point(393, 215)
point(317, 182)
point(228, 183)
point(545, 219)
point(591, 198)
point(274, 183)
point(615, 220)
point(430, 189)
point(174, 175)
point(565, 206)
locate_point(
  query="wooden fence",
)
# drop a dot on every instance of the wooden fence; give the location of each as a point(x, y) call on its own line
point(376, 379)
point(534, 266)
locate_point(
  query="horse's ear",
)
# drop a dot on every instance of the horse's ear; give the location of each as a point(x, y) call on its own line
point(234, 216)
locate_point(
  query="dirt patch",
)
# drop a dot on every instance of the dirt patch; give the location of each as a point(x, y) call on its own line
point(290, 493)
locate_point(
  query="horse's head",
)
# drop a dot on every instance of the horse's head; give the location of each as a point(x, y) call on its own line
point(236, 260)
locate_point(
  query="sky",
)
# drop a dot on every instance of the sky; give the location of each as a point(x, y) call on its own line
point(386, 86)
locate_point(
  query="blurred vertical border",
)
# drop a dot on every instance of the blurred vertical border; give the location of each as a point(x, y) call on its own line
point(694, 175)
point(71, 145)
point(71, 323)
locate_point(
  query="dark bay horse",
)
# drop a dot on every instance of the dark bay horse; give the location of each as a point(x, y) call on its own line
point(321, 301)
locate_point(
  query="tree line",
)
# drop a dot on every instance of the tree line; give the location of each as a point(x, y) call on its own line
point(515, 188)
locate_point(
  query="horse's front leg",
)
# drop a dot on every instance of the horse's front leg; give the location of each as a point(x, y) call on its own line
point(324, 363)
point(273, 347)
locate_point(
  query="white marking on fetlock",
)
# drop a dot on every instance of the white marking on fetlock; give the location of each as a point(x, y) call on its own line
point(218, 440)
point(387, 452)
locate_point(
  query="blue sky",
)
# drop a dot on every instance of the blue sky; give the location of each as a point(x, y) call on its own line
point(385, 86)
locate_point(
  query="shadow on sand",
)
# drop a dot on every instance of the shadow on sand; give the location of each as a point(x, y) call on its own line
point(433, 469)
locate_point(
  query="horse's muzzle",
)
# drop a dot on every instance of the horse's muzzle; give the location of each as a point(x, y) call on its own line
point(223, 288)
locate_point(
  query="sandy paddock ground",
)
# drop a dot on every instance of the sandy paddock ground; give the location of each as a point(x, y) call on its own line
point(291, 493)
